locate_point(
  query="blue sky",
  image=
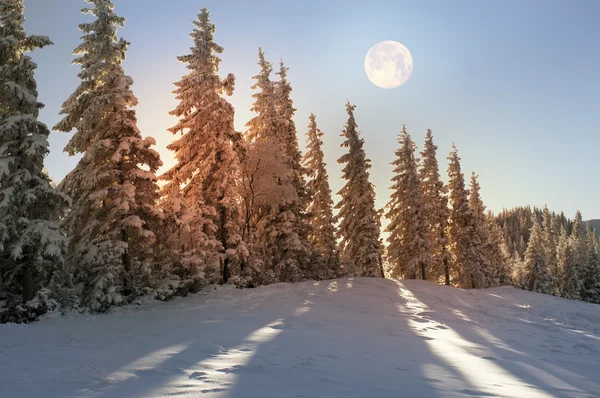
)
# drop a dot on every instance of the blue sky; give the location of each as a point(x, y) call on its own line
point(514, 83)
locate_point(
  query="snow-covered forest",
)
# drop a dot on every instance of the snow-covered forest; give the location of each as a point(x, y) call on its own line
point(245, 208)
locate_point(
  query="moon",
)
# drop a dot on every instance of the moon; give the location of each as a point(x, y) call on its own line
point(388, 64)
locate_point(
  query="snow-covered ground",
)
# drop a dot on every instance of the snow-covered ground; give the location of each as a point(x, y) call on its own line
point(344, 338)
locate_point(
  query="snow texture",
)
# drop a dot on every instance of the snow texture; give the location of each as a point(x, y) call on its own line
point(356, 337)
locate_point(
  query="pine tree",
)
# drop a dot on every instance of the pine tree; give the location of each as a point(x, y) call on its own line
point(499, 256)
point(549, 241)
point(482, 245)
point(288, 136)
point(320, 208)
point(475, 202)
point(359, 226)
point(209, 154)
point(575, 274)
point(465, 243)
point(408, 242)
point(591, 286)
point(435, 210)
point(536, 277)
point(565, 265)
point(32, 245)
point(278, 234)
point(113, 186)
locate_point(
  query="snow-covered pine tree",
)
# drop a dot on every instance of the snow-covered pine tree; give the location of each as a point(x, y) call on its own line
point(32, 246)
point(482, 244)
point(279, 244)
point(465, 243)
point(359, 227)
point(536, 276)
point(575, 275)
point(475, 202)
point(209, 154)
point(288, 135)
point(408, 243)
point(320, 207)
point(435, 210)
point(591, 286)
point(565, 265)
point(499, 256)
point(113, 186)
point(549, 239)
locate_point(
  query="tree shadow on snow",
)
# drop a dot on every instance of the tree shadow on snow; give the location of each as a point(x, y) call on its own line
point(349, 339)
point(199, 354)
point(513, 342)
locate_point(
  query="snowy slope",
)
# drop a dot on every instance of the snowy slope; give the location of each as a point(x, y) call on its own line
point(344, 338)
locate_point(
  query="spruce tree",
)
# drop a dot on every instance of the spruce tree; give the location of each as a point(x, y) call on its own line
point(209, 154)
point(482, 244)
point(320, 207)
point(536, 277)
point(279, 238)
point(435, 210)
point(566, 267)
point(499, 256)
point(549, 241)
point(32, 245)
point(591, 286)
point(359, 226)
point(475, 202)
point(575, 274)
point(408, 242)
point(288, 136)
point(113, 186)
point(465, 243)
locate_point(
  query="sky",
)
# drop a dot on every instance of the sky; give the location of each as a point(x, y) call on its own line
point(514, 84)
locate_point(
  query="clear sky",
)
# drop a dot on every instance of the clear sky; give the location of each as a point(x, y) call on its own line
point(514, 83)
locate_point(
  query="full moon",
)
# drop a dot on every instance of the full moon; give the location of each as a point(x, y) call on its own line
point(388, 64)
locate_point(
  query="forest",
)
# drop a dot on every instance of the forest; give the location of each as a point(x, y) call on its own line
point(243, 208)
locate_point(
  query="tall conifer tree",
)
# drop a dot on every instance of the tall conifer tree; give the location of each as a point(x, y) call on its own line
point(408, 242)
point(575, 271)
point(435, 210)
point(536, 276)
point(279, 237)
point(32, 245)
point(464, 240)
point(359, 232)
point(113, 186)
point(482, 244)
point(209, 154)
point(320, 208)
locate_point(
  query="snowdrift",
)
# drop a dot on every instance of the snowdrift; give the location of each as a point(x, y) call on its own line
point(353, 337)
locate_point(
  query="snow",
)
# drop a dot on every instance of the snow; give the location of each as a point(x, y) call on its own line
point(362, 337)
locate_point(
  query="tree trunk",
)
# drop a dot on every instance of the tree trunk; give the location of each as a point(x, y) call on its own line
point(28, 288)
point(226, 271)
point(446, 265)
point(447, 272)
point(423, 275)
point(126, 260)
